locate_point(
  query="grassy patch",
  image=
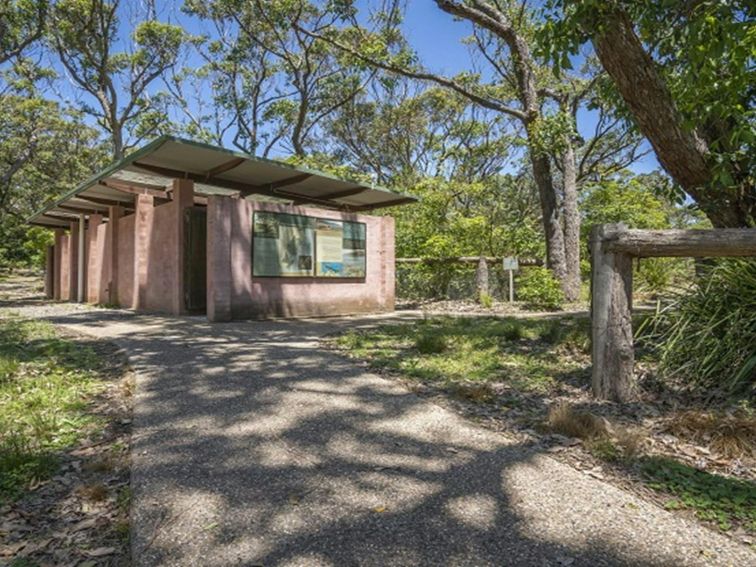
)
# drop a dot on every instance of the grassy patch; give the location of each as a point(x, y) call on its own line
point(461, 352)
point(724, 501)
point(45, 384)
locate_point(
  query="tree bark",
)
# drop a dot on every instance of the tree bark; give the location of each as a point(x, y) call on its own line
point(571, 223)
point(550, 213)
point(682, 152)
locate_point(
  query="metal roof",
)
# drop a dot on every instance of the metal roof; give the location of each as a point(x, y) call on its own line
point(215, 171)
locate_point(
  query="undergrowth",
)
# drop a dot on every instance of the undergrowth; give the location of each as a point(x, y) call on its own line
point(706, 337)
point(45, 384)
point(462, 353)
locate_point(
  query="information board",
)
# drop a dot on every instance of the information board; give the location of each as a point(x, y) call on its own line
point(285, 245)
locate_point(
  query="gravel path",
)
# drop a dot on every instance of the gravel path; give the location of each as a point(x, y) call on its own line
point(255, 447)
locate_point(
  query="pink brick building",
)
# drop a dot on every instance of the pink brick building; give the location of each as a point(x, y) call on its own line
point(179, 227)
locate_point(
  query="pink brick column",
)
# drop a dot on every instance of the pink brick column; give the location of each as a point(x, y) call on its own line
point(73, 255)
point(57, 275)
point(142, 236)
point(183, 198)
point(218, 258)
point(93, 268)
point(388, 278)
point(111, 253)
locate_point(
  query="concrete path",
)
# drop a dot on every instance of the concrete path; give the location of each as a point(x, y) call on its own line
point(255, 447)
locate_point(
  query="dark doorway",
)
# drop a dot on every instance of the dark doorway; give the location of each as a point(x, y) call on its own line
point(195, 259)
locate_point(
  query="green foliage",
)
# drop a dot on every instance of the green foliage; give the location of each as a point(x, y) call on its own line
point(22, 23)
point(45, 151)
point(706, 336)
point(705, 54)
point(724, 501)
point(638, 202)
point(630, 200)
point(538, 288)
point(465, 351)
point(486, 300)
point(115, 75)
point(45, 382)
point(430, 343)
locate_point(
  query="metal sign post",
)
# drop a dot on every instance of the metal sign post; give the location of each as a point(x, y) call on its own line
point(511, 264)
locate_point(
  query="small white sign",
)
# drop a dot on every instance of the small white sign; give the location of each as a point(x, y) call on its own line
point(511, 264)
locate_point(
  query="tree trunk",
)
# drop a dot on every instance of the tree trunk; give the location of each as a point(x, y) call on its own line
point(497, 22)
point(552, 225)
point(682, 152)
point(481, 279)
point(571, 224)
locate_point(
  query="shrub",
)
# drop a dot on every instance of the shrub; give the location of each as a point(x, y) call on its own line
point(566, 421)
point(513, 331)
point(486, 300)
point(706, 336)
point(538, 288)
point(428, 343)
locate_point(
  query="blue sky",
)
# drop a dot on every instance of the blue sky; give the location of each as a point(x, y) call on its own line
point(436, 37)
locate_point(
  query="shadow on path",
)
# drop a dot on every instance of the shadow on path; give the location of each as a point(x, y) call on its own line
point(253, 446)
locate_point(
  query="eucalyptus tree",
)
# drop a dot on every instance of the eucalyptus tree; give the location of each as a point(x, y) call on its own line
point(22, 23)
point(684, 74)
point(115, 82)
point(277, 84)
point(44, 150)
point(400, 131)
point(520, 88)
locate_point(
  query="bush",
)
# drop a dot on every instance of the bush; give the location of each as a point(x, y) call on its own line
point(428, 343)
point(486, 300)
point(538, 288)
point(707, 335)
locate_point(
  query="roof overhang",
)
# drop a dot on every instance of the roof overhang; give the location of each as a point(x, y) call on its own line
point(214, 171)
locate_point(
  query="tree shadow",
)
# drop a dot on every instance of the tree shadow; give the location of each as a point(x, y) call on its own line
point(253, 445)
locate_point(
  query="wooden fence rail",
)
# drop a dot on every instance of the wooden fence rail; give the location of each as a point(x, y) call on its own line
point(467, 260)
point(613, 246)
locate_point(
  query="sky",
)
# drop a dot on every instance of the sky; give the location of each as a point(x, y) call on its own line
point(433, 34)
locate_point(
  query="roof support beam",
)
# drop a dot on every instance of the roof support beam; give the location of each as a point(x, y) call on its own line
point(222, 168)
point(60, 217)
point(385, 204)
point(136, 188)
point(289, 181)
point(344, 193)
point(51, 225)
point(106, 202)
point(81, 210)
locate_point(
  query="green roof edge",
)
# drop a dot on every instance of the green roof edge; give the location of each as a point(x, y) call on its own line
point(159, 141)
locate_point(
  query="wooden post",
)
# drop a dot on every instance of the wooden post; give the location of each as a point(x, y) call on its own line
point(50, 272)
point(611, 317)
point(612, 248)
point(481, 278)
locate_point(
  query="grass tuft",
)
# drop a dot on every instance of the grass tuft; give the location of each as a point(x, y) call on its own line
point(732, 436)
point(479, 393)
point(429, 343)
point(583, 425)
